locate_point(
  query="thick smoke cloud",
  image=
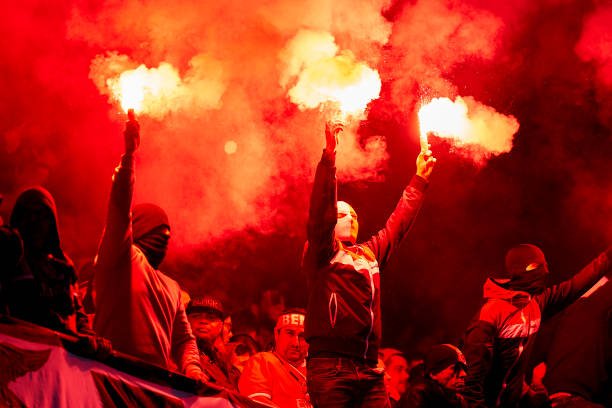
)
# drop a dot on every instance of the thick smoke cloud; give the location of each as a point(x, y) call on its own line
point(238, 219)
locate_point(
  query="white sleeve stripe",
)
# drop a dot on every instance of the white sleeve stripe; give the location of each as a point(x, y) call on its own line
point(260, 394)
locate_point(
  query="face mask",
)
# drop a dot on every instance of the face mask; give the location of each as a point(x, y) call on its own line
point(346, 226)
point(532, 281)
point(154, 245)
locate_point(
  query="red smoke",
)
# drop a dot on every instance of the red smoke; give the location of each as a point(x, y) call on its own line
point(546, 63)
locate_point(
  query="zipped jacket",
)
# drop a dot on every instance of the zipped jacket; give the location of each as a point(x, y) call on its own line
point(499, 339)
point(343, 313)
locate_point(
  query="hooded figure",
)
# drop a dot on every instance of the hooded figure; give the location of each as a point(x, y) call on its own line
point(138, 308)
point(43, 289)
point(499, 340)
point(151, 232)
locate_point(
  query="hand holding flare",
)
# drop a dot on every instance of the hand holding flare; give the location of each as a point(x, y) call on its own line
point(332, 130)
point(425, 162)
point(131, 133)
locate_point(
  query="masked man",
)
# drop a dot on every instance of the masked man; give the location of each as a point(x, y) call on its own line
point(499, 340)
point(138, 308)
point(343, 322)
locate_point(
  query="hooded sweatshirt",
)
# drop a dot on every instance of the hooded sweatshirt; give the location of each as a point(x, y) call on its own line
point(43, 289)
point(498, 341)
point(343, 314)
point(138, 308)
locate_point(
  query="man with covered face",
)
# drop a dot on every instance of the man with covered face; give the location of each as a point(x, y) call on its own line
point(343, 324)
point(278, 378)
point(138, 308)
point(499, 340)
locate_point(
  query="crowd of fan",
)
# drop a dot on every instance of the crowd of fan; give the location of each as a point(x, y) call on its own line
point(328, 354)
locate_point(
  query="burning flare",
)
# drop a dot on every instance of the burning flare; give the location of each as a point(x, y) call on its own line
point(468, 122)
point(161, 90)
point(139, 88)
point(321, 75)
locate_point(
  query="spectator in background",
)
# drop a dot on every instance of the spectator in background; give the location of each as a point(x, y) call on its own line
point(41, 286)
point(443, 376)
point(278, 378)
point(243, 348)
point(271, 305)
point(206, 315)
point(396, 374)
point(138, 308)
point(343, 324)
point(499, 340)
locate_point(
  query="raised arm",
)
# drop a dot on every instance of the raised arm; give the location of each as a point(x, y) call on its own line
point(323, 213)
point(116, 243)
point(384, 242)
point(562, 295)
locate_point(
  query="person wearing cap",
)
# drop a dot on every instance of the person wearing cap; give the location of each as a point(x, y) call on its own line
point(278, 378)
point(444, 371)
point(498, 342)
point(396, 373)
point(206, 316)
point(343, 320)
point(138, 308)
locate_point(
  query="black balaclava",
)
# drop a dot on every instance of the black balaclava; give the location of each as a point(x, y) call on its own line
point(149, 227)
point(526, 270)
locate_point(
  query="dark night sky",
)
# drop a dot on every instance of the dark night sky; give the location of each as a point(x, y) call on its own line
point(239, 220)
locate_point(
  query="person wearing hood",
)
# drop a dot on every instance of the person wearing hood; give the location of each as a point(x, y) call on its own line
point(343, 320)
point(498, 341)
point(138, 308)
point(39, 285)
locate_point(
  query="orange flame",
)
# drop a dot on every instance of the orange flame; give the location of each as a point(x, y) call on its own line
point(445, 118)
point(467, 121)
point(142, 88)
point(322, 76)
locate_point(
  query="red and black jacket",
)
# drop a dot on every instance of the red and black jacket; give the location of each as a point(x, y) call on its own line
point(343, 313)
point(498, 341)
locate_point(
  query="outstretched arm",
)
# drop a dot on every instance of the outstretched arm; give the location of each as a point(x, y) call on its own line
point(562, 295)
point(399, 222)
point(323, 213)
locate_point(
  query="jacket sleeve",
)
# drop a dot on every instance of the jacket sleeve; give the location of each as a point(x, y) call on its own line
point(478, 350)
point(116, 244)
point(184, 346)
point(399, 222)
point(556, 298)
point(255, 381)
point(323, 213)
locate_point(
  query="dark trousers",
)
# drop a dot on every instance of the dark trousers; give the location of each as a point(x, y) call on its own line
point(344, 382)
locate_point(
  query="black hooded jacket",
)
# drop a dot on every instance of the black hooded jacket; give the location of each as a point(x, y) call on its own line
point(42, 287)
point(498, 342)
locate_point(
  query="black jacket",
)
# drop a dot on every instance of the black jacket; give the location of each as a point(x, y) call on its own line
point(343, 313)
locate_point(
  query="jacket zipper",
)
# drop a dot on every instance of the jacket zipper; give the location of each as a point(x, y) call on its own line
point(367, 341)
